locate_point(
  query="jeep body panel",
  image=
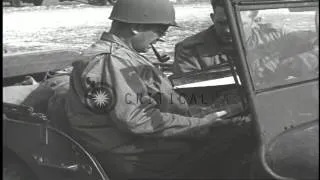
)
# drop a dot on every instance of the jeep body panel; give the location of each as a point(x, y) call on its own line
point(60, 158)
point(16, 64)
point(297, 148)
point(281, 110)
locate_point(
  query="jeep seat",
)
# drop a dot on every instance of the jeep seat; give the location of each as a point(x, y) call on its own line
point(17, 94)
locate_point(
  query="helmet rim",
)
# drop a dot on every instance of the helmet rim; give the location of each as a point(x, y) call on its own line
point(144, 12)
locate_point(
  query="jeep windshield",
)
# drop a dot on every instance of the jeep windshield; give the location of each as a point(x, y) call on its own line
point(281, 45)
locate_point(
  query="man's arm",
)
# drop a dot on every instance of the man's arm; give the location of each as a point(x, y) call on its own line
point(143, 117)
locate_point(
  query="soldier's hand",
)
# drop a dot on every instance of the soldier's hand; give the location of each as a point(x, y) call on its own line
point(215, 119)
point(233, 109)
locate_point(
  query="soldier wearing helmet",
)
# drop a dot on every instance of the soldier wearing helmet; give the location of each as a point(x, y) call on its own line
point(124, 110)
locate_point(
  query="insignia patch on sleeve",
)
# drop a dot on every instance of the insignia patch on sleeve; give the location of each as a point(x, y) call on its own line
point(100, 99)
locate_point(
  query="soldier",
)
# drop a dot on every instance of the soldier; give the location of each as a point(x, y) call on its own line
point(204, 49)
point(208, 48)
point(126, 112)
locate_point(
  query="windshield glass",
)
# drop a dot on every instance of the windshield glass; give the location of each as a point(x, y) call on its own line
point(281, 45)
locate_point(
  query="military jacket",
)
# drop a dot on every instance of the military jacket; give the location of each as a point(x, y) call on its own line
point(198, 52)
point(120, 103)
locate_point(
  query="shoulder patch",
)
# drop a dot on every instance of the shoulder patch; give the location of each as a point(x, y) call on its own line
point(100, 99)
point(98, 95)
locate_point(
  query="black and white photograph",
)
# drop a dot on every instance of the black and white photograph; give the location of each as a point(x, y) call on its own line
point(160, 89)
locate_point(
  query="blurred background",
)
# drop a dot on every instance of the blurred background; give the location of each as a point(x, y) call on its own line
point(76, 25)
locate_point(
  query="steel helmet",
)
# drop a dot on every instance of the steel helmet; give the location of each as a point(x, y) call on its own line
point(144, 12)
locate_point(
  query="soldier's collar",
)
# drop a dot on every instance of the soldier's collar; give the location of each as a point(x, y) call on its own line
point(106, 36)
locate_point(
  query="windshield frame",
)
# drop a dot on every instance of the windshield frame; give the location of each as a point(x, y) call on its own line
point(243, 6)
